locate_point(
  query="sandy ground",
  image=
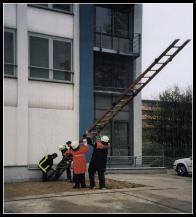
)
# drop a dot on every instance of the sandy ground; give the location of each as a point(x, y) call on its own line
point(20, 189)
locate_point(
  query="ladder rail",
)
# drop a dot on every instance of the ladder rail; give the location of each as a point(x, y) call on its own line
point(121, 102)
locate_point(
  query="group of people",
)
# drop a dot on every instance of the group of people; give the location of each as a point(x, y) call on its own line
point(74, 153)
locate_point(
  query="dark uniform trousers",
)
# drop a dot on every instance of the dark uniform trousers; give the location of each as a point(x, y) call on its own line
point(79, 179)
point(101, 176)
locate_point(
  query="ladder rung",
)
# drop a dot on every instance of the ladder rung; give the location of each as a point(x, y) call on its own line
point(108, 114)
point(176, 46)
point(168, 55)
point(153, 70)
point(123, 100)
point(160, 63)
point(99, 124)
point(146, 77)
point(104, 120)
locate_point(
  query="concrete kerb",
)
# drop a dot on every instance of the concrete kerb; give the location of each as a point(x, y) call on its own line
point(71, 193)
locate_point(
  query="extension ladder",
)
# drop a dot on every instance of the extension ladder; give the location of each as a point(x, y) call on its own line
point(141, 81)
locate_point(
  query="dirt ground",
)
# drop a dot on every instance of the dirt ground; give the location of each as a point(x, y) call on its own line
point(20, 189)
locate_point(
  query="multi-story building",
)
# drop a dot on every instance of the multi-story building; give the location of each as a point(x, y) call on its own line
point(64, 65)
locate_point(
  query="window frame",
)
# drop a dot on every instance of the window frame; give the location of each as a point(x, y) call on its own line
point(50, 8)
point(14, 64)
point(50, 56)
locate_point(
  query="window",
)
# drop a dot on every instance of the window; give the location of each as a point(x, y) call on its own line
point(121, 23)
point(112, 71)
point(114, 20)
point(120, 134)
point(9, 53)
point(50, 58)
point(103, 20)
point(56, 7)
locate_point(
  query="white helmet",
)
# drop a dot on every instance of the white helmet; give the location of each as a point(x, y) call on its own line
point(61, 147)
point(75, 145)
point(105, 139)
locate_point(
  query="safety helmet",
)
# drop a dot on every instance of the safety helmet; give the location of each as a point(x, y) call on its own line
point(61, 147)
point(75, 145)
point(105, 139)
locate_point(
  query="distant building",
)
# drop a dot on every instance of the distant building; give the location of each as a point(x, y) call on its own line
point(64, 65)
point(175, 128)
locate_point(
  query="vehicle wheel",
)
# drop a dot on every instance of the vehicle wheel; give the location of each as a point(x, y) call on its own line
point(181, 170)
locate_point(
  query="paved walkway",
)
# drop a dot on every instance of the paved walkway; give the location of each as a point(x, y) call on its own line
point(163, 193)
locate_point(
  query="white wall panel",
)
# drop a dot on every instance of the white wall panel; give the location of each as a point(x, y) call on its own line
point(48, 128)
point(10, 92)
point(9, 15)
point(50, 95)
point(10, 136)
point(50, 22)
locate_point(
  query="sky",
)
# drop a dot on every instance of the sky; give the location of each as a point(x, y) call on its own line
point(162, 24)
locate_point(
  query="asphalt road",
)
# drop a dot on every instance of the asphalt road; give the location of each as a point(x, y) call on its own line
point(163, 193)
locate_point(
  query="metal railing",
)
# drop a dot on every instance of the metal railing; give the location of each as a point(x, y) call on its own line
point(135, 161)
point(120, 44)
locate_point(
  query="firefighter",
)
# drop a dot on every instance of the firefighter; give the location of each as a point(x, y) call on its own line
point(65, 163)
point(45, 164)
point(79, 162)
point(98, 162)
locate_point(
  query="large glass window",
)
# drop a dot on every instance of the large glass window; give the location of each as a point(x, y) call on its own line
point(114, 20)
point(50, 58)
point(113, 71)
point(120, 141)
point(121, 23)
point(9, 53)
point(103, 20)
point(39, 57)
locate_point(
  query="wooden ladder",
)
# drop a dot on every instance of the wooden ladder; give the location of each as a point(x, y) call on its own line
point(141, 81)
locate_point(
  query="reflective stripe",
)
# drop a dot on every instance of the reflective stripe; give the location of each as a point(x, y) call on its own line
point(42, 168)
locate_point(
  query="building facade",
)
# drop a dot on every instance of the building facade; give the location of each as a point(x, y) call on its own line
point(64, 65)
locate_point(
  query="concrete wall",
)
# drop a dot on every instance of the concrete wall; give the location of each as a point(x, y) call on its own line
point(137, 126)
point(50, 22)
point(38, 116)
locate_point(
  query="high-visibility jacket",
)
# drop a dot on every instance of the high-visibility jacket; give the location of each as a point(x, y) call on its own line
point(99, 156)
point(79, 160)
point(46, 163)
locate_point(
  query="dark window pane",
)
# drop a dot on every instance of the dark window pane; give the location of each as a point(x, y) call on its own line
point(112, 70)
point(120, 134)
point(62, 75)
point(39, 73)
point(8, 47)
point(121, 23)
point(124, 45)
point(8, 69)
point(39, 52)
point(64, 7)
point(106, 41)
point(61, 55)
point(103, 20)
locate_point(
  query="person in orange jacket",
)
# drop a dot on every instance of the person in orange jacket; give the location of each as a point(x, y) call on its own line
point(79, 162)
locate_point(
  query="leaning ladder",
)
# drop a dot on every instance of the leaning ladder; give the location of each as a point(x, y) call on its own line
point(141, 81)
